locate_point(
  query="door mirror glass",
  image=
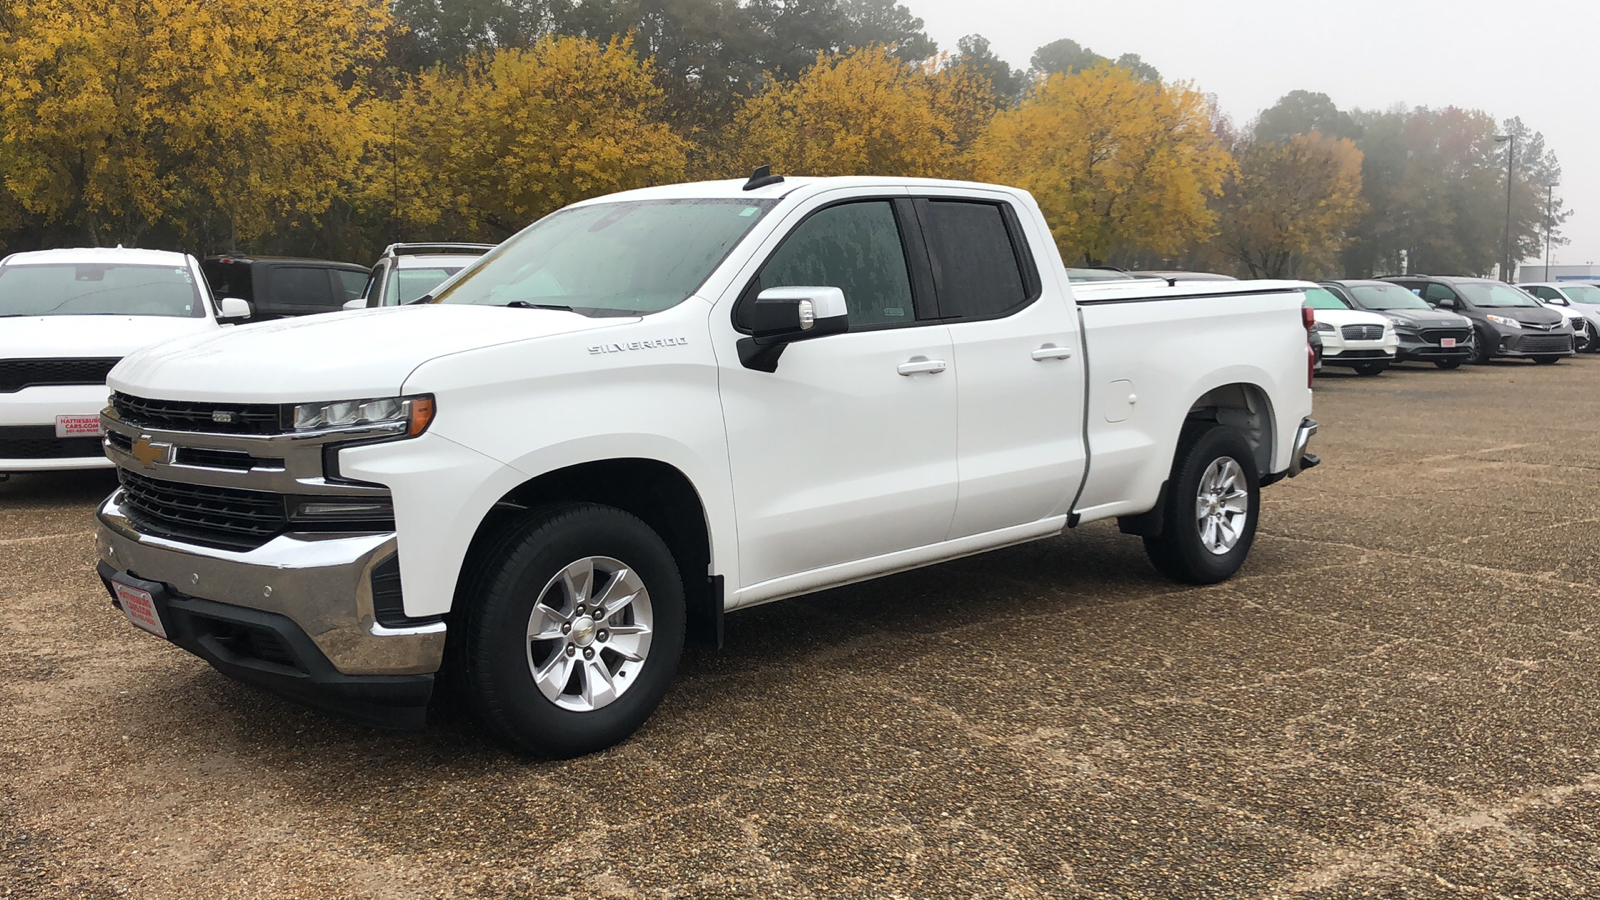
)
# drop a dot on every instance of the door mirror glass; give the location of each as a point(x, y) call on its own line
point(234, 310)
point(783, 315)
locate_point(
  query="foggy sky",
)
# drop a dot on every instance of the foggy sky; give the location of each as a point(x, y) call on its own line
point(1538, 59)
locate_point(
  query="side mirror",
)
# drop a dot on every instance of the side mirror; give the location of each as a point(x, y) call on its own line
point(783, 315)
point(357, 303)
point(1445, 303)
point(233, 311)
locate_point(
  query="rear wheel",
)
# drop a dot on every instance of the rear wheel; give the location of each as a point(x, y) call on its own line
point(1213, 498)
point(1448, 363)
point(573, 627)
point(1371, 368)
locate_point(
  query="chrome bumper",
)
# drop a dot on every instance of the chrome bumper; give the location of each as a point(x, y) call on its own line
point(323, 583)
point(1299, 459)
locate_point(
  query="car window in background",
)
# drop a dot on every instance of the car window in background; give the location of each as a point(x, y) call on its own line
point(1322, 298)
point(624, 258)
point(1582, 293)
point(353, 283)
point(406, 285)
point(301, 286)
point(1433, 293)
point(1494, 294)
point(1386, 296)
point(97, 289)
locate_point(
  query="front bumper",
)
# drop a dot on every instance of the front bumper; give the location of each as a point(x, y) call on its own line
point(28, 441)
point(308, 598)
point(1414, 348)
point(1526, 342)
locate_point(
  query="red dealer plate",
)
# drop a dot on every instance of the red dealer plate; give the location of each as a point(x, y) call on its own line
point(77, 426)
point(1447, 342)
point(140, 608)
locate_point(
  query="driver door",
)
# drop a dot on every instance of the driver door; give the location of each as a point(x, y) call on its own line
point(848, 450)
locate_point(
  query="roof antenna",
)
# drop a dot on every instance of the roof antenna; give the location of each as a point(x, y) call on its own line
point(762, 177)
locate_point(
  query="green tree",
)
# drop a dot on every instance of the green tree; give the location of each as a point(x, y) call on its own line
point(1288, 209)
point(1302, 112)
point(1008, 84)
point(1065, 56)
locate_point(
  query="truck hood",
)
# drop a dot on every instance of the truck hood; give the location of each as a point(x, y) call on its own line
point(91, 337)
point(332, 356)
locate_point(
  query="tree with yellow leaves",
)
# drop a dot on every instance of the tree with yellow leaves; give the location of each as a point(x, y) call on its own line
point(865, 112)
point(117, 116)
point(1291, 206)
point(483, 149)
point(1116, 163)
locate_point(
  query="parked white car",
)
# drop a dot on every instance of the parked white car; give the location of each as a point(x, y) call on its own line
point(407, 272)
point(1363, 341)
point(649, 408)
point(69, 317)
point(1580, 303)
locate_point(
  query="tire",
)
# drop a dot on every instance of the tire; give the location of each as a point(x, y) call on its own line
point(1546, 360)
point(1181, 552)
point(543, 560)
point(1371, 368)
point(1448, 363)
point(1482, 349)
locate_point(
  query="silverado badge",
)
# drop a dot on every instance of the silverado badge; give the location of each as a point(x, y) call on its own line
point(149, 452)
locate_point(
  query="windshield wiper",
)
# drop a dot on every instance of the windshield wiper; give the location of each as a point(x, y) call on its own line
point(523, 304)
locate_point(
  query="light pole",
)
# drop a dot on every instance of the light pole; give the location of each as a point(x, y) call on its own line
point(1549, 223)
point(1511, 161)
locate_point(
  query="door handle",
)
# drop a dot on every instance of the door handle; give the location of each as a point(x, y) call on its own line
point(1051, 351)
point(919, 365)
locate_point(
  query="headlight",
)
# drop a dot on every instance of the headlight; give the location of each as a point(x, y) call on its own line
point(414, 412)
point(1502, 320)
point(1324, 326)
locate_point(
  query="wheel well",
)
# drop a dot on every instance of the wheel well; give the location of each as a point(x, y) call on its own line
point(1245, 407)
point(660, 495)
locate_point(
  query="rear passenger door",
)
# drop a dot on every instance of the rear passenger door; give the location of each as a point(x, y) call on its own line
point(1018, 364)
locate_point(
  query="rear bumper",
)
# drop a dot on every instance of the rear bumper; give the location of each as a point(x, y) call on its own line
point(1299, 459)
point(308, 599)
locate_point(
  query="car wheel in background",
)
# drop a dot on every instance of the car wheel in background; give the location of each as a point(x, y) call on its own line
point(1482, 347)
point(1546, 360)
point(1213, 499)
point(1371, 368)
point(1449, 363)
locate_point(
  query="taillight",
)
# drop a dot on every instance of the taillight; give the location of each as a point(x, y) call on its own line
point(1308, 318)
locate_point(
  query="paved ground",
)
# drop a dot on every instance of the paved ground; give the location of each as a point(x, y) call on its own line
point(1397, 697)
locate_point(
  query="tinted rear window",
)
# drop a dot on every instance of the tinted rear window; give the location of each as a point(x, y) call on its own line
point(976, 269)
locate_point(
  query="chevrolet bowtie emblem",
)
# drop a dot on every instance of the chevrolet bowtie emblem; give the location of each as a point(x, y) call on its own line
point(149, 452)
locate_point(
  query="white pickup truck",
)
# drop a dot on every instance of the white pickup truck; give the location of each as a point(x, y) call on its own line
point(652, 407)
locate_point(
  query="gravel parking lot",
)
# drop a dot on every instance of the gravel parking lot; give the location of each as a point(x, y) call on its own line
point(1396, 697)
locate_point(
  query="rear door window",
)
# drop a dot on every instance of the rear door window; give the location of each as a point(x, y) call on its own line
point(980, 268)
point(302, 287)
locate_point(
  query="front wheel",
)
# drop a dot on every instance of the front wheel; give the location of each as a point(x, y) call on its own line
point(1213, 498)
point(1371, 368)
point(1482, 348)
point(574, 623)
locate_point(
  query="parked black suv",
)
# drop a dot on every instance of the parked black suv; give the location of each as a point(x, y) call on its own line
point(1507, 321)
point(1426, 334)
point(277, 286)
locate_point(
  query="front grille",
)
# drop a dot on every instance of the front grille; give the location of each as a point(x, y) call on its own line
point(1362, 332)
point(1435, 335)
point(235, 460)
point(1544, 343)
point(220, 517)
point(214, 418)
point(40, 442)
point(16, 374)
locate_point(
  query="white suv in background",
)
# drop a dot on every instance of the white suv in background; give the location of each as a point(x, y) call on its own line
point(1580, 302)
point(407, 272)
point(1363, 341)
point(70, 316)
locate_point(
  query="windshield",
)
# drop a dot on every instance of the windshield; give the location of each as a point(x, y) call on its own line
point(99, 289)
point(1494, 294)
point(406, 285)
point(1581, 293)
point(611, 258)
point(1386, 296)
point(1322, 298)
